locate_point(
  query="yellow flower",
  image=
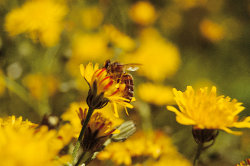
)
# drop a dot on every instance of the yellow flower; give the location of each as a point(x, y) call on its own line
point(100, 127)
point(88, 47)
point(206, 110)
point(211, 30)
point(16, 123)
point(159, 58)
point(149, 146)
point(40, 19)
point(71, 115)
point(118, 38)
point(103, 88)
point(21, 143)
point(156, 94)
point(169, 160)
point(41, 85)
point(142, 13)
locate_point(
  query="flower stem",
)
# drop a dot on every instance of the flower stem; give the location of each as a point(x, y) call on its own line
point(198, 153)
point(80, 158)
point(77, 146)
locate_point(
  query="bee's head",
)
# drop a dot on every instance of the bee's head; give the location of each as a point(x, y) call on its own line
point(107, 63)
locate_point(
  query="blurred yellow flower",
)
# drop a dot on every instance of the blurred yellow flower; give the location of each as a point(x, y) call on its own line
point(159, 58)
point(153, 145)
point(92, 17)
point(143, 13)
point(206, 110)
point(40, 85)
point(23, 144)
point(118, 38)
point(40, 19)
point(16, 123)
point(90, 47)
point(65, 134)
point(2, 83)
point(71, 115)
point(169, 160)
point(156, 93)
point(211, 31)
point(103, 88)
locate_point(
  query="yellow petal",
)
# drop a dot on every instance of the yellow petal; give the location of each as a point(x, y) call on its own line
point(96, 67)
point(82, 69)
point(243, 124)
point(115, 109)
point(181, 118)
point(231, 131)
point(126, 110)
point(116, 131)
point(89, 71)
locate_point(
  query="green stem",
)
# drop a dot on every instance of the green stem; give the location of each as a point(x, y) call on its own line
point(90, 111)
point(198, 153)
point(80, 158)
point(75, 151)
point(200, 149)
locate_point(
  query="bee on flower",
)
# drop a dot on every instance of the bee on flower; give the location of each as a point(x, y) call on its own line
point(109, 84)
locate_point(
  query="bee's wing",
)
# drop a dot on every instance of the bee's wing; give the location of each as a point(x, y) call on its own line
point(132, 66)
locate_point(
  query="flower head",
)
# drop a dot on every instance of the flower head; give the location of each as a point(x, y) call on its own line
point(21, 143)
point(41, 85)
point(156, 93)
point(206, 110)
point(140, 146)
point(41, 20)
point(160, 59)
point(103, 88)
point(118, 39)
point(100, 127)
point(70, 115)
point(211, 31)
point(143, 13)
point(16, 123)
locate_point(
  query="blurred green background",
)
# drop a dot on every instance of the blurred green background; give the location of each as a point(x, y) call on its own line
point(178, 42)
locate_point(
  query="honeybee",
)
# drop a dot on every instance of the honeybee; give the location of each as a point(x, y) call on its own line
point(118, 72)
